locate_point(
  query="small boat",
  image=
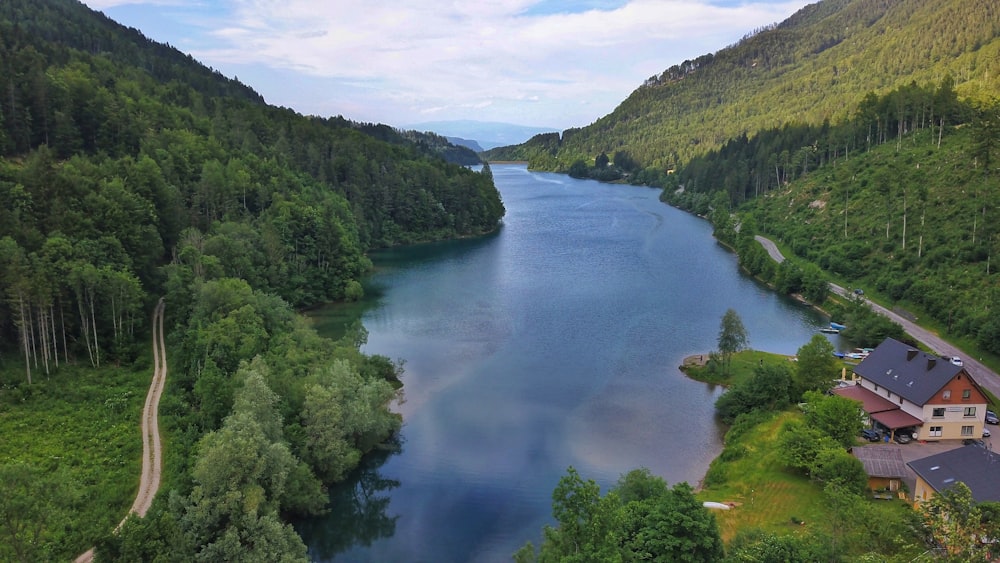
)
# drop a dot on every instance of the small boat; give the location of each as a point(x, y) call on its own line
point(839, 354)
point(837, 326)
point(830, 330)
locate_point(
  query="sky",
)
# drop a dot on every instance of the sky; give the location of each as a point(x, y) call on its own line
point(543, 63)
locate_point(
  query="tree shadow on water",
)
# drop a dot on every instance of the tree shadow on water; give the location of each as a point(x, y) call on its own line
point(357, 515)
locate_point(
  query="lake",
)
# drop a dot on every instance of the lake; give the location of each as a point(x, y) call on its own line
point(554, 342)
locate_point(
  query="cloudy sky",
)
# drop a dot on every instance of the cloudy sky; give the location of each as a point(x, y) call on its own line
point(551, 63)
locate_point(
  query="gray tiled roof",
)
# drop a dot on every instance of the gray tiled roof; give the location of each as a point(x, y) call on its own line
point(914, 375)
point(881, 460)
point(975, 466)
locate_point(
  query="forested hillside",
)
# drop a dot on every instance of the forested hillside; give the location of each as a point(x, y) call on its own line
point(889, 200)
point(815, 66)
point(115, 164)
point(128, 172)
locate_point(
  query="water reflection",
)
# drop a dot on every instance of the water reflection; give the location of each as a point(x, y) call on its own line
point(358, 510)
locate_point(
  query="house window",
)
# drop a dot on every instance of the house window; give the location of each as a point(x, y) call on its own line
point(935, 431)
point(938, 413)
point(969, 411)
point(966, 393)
point(966, 431)
point(946, 395)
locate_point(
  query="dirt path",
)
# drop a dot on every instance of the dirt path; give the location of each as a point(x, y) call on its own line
point(982, 374)
point(152, 452)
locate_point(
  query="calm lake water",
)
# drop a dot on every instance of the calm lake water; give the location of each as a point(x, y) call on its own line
point(554, 342)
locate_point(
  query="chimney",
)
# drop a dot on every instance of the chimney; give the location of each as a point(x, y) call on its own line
point(931, 362)
point(910, 354)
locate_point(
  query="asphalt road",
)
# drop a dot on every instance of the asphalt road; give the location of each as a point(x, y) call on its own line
point(983, 375)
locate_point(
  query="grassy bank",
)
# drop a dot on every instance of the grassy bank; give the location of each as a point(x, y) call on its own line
point(768, 496)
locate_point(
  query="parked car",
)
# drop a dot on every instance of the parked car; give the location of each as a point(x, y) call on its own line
point(955, 360)
point(859, 291)
point(986, 432)
point(903, 437)
point(871, 435)
point(992, 418)
point(974, 442)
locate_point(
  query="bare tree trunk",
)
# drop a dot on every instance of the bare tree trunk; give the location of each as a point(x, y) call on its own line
point(85, 328)
point(31, 335)
point(24, 337)
point(93, 322)
point(114, 316)
point(43, 331)
point(62, 319)
point(55, 341)
point(920, 245)
point(904, 218)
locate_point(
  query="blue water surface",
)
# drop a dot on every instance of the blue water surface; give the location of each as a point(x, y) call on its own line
point(554, 342)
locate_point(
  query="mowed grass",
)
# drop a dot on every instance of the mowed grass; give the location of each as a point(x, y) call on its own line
point(767, 495)
point(86, 422)
point(741, 367)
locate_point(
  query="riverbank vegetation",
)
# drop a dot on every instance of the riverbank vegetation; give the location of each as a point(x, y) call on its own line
point(639, 519)
point(130, 172)
point(785, 471)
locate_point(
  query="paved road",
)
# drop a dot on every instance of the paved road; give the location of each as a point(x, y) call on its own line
point(983, 375)
point(771, 248)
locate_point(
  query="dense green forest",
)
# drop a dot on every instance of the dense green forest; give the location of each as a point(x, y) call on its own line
point(817, 65)
point(128, 172)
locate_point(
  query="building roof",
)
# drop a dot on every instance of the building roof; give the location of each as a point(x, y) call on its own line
point(896, 419)
point(870, 402)
point(975, 466)
point(910, 373)
point(881, 460)
point(878, 407)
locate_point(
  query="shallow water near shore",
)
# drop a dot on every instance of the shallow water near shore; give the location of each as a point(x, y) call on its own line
point(553, 342)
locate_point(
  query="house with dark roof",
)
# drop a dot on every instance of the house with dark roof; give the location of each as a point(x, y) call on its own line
point(883, 464)
point(977, 467)
point(905, 389)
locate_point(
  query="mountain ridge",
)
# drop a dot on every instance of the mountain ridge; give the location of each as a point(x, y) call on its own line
point(814, 66)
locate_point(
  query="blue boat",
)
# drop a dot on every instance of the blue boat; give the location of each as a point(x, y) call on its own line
point(837, 326)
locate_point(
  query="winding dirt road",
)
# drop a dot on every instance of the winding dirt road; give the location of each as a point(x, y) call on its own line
point(152, 451)
point(982, 374)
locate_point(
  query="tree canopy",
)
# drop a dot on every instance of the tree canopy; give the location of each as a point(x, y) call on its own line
point(640, 519)
point(733, 336)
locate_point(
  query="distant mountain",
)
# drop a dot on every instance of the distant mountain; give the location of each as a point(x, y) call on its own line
point(488, 134)
point(818, 64)
point(467, 143)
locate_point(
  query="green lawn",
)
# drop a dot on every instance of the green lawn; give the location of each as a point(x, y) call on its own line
point(767, 495)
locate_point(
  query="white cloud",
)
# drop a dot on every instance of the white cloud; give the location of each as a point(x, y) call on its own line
point(463, 59)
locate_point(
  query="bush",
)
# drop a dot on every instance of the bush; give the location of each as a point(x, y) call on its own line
point(733, 453)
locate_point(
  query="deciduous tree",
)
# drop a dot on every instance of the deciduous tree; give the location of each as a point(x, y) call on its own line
point(733, 337)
